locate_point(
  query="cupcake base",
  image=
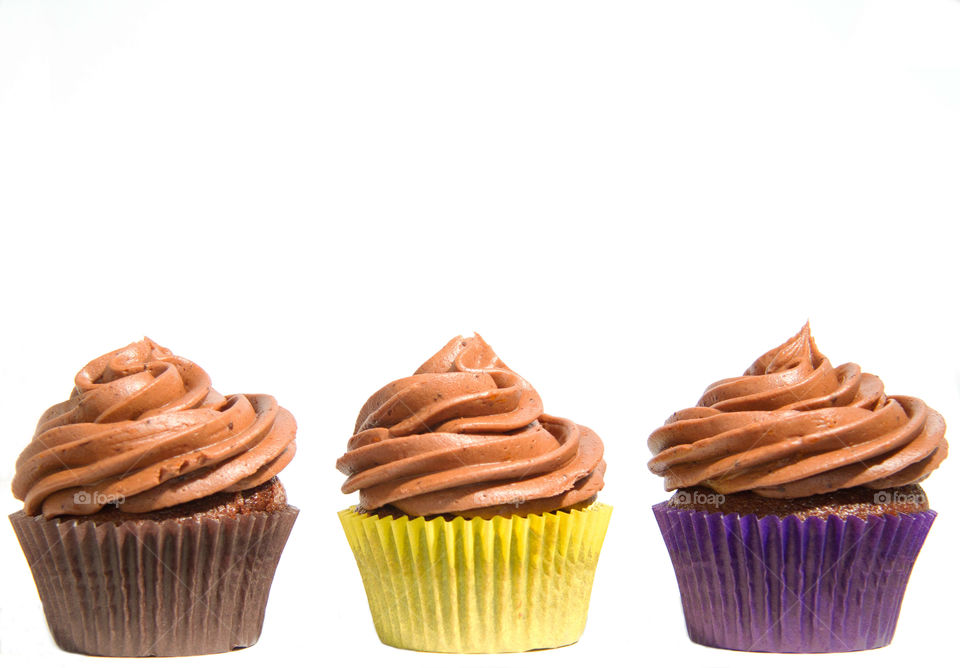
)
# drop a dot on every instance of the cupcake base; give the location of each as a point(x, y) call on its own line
point(861, 502)
point(504, 584)
point(175, 587)
point(786, 584)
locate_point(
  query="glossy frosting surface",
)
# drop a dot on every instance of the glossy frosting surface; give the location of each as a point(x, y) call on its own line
point(144, 429)
point(793, 425)
point(465, 435)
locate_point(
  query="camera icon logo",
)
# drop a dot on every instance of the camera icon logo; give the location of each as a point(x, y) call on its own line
point(683, 497)
point(85, 498)
point(882, 497)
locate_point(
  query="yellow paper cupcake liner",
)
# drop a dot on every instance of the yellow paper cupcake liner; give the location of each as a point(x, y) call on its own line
point(506, 584)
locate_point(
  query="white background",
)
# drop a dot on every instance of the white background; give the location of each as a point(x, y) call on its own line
point(628, 200)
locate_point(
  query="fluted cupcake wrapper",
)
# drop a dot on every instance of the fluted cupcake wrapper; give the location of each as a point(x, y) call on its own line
point(791, 585)
point(148, 588)
point(506, 584)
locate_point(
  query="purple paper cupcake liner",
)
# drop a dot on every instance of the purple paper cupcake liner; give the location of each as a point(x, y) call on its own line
point(148, 588)
point(789, 585)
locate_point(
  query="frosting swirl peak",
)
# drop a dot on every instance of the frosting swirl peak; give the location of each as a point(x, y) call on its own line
point(144, 429)
point(793, 425)
point(466, 435)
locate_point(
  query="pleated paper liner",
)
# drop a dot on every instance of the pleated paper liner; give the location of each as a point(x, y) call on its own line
point(506, 584)
point(147, 588)
point(791, 585)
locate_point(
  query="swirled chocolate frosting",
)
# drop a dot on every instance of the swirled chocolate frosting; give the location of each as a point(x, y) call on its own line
point(793, 425)
point(465, 435)
point(144, 430)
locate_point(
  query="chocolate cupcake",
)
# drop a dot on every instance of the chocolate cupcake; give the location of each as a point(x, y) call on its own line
point(478, 528)
point(797, 516)
point(153, 519)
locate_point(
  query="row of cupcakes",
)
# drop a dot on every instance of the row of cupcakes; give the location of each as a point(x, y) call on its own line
point(154, 520)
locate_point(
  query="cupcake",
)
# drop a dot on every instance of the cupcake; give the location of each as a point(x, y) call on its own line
point(153, 519)
point(478, 528)
point(797, 515)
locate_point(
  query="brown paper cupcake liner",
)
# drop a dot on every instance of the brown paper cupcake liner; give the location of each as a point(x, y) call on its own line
point(148, 588)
